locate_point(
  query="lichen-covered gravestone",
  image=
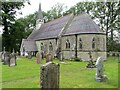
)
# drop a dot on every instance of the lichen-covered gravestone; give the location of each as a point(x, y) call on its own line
point(6, 58)
point(99, 71)
point(49, 76)
point(38, 58)
point(12, 61)
point(49, 58)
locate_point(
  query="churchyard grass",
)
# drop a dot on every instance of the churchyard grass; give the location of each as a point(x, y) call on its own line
point(72, 75)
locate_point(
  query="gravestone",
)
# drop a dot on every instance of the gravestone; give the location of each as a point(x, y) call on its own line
point(99, 71)
point(2, 56)
point(49, 77)
point(29, 55)
point(49, 58)
point(90, 64)
point(6, 58)
point(38, 58)
point(12, 61)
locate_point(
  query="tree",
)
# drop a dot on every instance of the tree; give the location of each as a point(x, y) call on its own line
point(9, 10)
point(55, 12)
point(106, 15)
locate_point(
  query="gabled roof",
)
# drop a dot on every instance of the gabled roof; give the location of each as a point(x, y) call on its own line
point(82, 24)
point(78, 25)
point(29, 45)
point(50, 29)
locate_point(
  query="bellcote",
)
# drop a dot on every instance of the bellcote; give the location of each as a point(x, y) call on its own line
point(40, 19)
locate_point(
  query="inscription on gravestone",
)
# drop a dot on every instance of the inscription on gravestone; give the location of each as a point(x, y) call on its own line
point(49, 77)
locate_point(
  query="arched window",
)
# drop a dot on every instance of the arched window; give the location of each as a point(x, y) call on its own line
point(50, 47)
point(42, 47)
point(93, 43)
point(67, 44)
point(80, 43)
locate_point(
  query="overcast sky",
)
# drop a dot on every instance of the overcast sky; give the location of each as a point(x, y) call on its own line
point(45, 5)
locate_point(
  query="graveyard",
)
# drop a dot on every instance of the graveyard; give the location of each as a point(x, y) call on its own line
point(73, 74)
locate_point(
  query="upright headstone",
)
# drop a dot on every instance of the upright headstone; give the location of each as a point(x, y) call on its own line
point(49, 58)
point(3, 55)
point(12, 61)
point(6, 58)
point(29, 55)
point(49, 77)
point(99, 71)
point(38, 58)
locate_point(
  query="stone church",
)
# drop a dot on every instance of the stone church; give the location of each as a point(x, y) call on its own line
point(71, 36)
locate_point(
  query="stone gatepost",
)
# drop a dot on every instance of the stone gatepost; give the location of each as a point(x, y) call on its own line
point(49, 76)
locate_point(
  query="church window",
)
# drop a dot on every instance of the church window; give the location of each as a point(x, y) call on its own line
point(67, 44)
point(50, 47)
point(93, 43)
point(80, 43)
point(42, 47)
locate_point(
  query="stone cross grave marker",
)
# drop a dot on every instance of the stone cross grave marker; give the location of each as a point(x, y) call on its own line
point(12, 60)
point(91, 64)
point(38, 58)
point(49, 58)
point(99, 71)
point(49, 77)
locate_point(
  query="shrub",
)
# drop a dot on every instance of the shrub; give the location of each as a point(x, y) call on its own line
point(78, 60)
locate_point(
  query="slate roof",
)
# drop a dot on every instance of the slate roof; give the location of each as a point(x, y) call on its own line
point(82, 24)
point(79, 24)
point(29, 45)
point(50, 29)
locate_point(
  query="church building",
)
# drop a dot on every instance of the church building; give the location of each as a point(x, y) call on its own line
point(72, 36)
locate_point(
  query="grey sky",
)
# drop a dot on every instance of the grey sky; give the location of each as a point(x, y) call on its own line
point(45, 5)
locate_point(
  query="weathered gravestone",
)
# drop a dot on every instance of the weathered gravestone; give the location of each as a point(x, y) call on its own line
point(99, 71)
point(29, 55)
point(6, 58)
point(90, 64)
point(49, 58)
point(2, 56)
point(49, 77)
point(12, 61)
point(38, 58)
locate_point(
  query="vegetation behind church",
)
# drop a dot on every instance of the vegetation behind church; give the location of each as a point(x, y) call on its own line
point(106, 14)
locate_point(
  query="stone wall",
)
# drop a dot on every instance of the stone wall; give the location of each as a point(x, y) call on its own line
point(68, 53)
point(99, 50)
point(46, 44)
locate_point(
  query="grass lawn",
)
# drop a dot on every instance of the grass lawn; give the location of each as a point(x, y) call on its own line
point(72, 75)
